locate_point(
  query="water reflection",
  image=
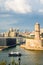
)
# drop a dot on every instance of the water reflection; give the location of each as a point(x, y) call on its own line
point(28, 58)
point(35, 57)
point(38, 57)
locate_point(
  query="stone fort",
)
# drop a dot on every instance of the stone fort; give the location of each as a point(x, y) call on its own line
point(35, 43)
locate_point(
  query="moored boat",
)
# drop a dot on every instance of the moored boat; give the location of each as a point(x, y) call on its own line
point(15, 54)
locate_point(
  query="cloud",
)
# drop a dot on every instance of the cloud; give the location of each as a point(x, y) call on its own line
point(41, 1)
point(19, 6)
point(5, 15)
point(41, 10)
point(41, 7)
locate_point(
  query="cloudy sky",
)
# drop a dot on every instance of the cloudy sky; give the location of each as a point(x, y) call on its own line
point(22, 14)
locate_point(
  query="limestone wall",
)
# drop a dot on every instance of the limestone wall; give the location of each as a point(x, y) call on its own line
point(33, 43)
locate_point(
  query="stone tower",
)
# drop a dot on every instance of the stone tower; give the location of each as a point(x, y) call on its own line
point(37, 39)
point(37, 31)
point(35, 43)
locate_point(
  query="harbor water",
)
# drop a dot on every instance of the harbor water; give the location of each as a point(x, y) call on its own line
point(27, 58)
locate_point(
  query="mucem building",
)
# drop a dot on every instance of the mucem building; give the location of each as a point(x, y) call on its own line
point(7, 41)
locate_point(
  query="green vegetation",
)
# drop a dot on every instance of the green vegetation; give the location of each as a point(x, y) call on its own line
point(14, 63)
point(5, 63)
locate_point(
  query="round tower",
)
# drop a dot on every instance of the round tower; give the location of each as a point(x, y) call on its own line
point(37, 31)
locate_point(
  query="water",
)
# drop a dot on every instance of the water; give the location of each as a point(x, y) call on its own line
point(28, 58)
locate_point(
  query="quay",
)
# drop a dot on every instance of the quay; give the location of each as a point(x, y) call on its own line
point(31, 48)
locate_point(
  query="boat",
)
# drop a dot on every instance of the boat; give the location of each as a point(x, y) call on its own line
point(15, 54)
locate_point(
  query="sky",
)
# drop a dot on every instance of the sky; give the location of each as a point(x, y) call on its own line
point(21, 14)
